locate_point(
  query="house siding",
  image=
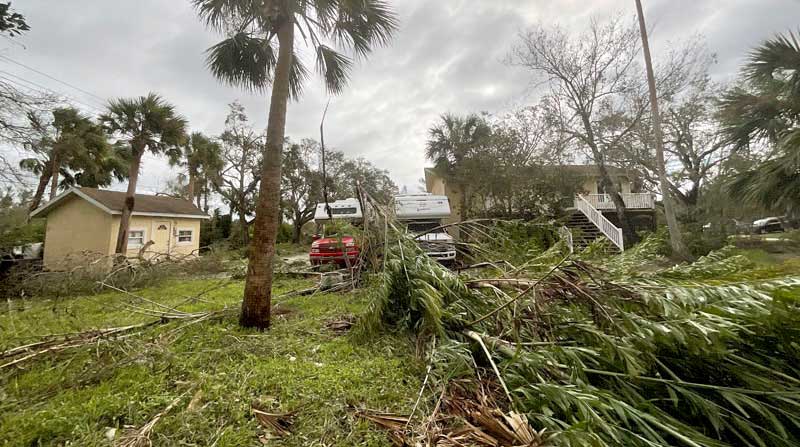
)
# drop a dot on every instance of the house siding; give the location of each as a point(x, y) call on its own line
point(75, 234)
point(163, 246)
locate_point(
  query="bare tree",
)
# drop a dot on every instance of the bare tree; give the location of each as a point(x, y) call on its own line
point(239, 179)
point(590, 85)
point(594, 94)
point(693, 146)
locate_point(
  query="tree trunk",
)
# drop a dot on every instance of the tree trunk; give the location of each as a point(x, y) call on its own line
point(628, 234)
point(191, 186)
point(675, 237)
point(258, 286)
point(55, 168)
point(243, 224)
point(298, 228)
point(44, 179)
point(127, 210)
point(205, 199)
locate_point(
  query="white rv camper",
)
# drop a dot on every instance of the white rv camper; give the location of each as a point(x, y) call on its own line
point(347, 209)
point(423, 212)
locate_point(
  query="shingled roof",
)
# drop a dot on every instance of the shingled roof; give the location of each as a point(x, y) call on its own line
point(113, 202)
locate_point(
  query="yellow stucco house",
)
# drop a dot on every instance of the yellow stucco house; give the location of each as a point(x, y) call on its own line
point(82, 226)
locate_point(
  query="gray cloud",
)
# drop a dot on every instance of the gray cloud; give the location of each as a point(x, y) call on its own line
point(447, 57)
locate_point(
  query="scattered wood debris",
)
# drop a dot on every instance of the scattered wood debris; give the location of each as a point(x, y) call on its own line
point(342, 324)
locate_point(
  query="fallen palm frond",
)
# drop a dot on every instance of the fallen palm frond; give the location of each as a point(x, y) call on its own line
point(606, 353)
point(469, 416)
point(277, 424)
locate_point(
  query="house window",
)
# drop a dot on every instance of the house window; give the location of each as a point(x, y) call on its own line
point(135, 238)
point(184, 236)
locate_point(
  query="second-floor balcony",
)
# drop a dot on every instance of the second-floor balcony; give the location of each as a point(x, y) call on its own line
point(638, 201)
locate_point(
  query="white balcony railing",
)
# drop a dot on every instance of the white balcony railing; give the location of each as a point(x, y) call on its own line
point(641, 201)
point(611, 231)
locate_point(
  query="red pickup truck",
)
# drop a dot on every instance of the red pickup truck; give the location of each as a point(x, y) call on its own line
point(334, 250)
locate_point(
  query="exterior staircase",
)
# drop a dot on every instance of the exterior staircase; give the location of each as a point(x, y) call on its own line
point(584, 232)
point(589, 223)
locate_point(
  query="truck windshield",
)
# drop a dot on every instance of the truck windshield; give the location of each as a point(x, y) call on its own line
point(421, 227)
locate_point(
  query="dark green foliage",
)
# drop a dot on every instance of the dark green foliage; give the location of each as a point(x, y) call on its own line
point(11, 22)
point(766, 111)
point(248, 56)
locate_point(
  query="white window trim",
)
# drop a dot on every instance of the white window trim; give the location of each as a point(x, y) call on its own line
point(144, 237)
point(178, 236)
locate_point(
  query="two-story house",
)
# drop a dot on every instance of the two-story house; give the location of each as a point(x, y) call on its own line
point(592, 213)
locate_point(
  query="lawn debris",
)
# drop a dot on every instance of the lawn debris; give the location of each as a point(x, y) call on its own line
point(276, 424)
point(141, 437)
point(589, 350)
point(341, 324)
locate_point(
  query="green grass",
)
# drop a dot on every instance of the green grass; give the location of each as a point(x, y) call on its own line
point(298, 365)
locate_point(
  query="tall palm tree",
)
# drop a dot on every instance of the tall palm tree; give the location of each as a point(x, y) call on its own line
point(453, 144)
point(765, 113)
point(260, 51)
point(201, 157)
point(675, 237)
point(147, 124)
point(71, 147)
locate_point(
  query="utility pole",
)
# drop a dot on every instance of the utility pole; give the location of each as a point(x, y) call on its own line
point(675, 237)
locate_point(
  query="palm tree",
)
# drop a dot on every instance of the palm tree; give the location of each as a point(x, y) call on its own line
point(452, 144)
point(72, 147)
point(201, 157)
point(260, 51)
point(147, 123)
point(765, 112)
point(675, 237)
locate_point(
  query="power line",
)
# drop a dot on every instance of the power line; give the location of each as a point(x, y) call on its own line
point(103, 100)
point(57, 92)
point(19, 82)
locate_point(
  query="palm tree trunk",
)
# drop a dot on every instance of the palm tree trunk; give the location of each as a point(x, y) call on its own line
point(55, 168)
point(191, 186)
point(44, 179)
point(258, 287)
point(127, 210)
point(675, 237)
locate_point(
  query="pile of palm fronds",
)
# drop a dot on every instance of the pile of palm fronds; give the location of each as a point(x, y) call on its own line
point(599, 351)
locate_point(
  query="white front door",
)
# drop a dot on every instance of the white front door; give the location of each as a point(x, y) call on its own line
point(162, 236)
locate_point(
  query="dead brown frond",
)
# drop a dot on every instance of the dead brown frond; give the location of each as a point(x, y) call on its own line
point(276, 424)
point(141, 437)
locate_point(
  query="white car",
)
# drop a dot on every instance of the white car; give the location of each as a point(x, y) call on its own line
point(768, 225)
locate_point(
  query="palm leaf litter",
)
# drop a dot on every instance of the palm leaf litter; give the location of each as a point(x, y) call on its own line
point(555, 347)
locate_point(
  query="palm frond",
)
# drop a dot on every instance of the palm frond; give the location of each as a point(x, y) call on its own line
point(243, 60)
point(334, 67)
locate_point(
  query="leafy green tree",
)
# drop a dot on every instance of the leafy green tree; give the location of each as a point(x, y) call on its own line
point(763, 116)
point(201, 157)
point(455, 145)
point(70, 146)
point(260, 51)
point(238, 180)
point(301, 185)
point(147, 124)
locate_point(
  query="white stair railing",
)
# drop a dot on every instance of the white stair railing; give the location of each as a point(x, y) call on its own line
point(611, 231)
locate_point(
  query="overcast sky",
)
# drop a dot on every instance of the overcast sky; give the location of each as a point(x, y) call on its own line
point(446, 57)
